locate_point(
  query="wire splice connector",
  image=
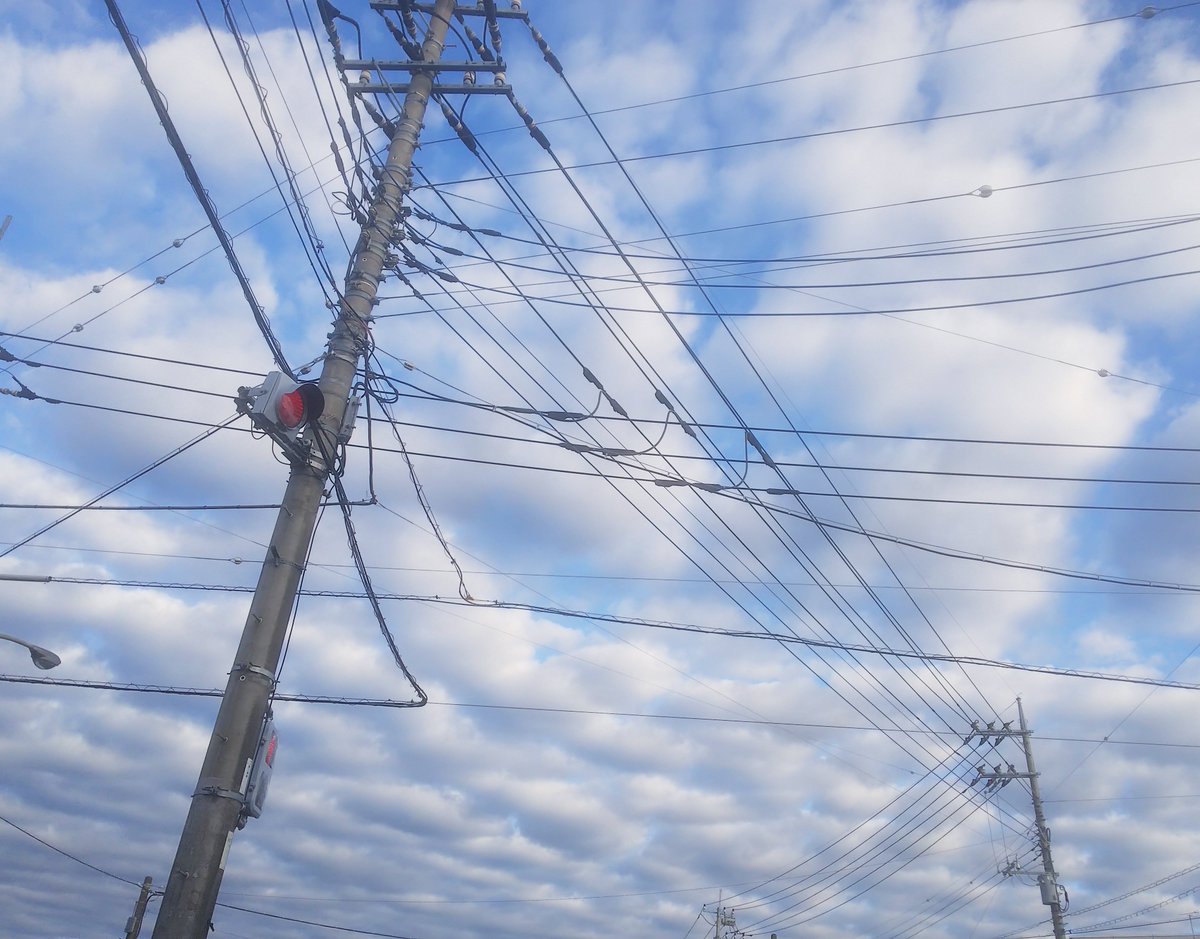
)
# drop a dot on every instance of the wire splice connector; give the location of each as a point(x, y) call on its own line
point(766, 457)
point(534, 131)
point(547, 54)
point(456, 124)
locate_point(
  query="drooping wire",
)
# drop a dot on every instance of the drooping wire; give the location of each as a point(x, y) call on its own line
point(333, 462)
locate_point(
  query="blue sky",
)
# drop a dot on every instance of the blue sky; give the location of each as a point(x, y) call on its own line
point(939, 258)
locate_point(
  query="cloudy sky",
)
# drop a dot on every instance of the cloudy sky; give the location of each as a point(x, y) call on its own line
point(821, 329)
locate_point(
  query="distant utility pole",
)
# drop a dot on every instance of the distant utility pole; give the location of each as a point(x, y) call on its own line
point(726, 923)
point(220, 795)
point(134, 926)
point(997, 779)
point(1048, 879)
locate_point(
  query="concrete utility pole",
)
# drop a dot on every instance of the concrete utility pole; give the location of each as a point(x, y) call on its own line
point(195, 877)
point(999, 778)
point(1048, 879)
point(726, 923)
point(995, 780)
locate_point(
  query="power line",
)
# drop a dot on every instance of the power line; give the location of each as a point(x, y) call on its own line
point(189, 169)
point(199, 438)
point(67, 854)
point(309, 922)
point(812, 135)
point(758, 428)
point(860, 311)
point(632, 578)
point(894, 60)
point(341, 701)
point(785, 639)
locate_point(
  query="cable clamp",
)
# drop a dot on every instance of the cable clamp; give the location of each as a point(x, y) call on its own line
point(255, 670)
point(212, 787)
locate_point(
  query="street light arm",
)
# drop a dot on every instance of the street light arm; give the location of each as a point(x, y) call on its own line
point(42, 658)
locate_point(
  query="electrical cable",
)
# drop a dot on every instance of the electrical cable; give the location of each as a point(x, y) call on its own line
point(859, 311)
point(68, 855)
point(780, 510)
point(364, 575)
point(305, 233)
point(839, 131)
point(692, 354)
point(189, 169)
point(565, 346)
point(182, 448)
point(785, 639)
point(299, 698)
point(855, 67)
point(480, 152)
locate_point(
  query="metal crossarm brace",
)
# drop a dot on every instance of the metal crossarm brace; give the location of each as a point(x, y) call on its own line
point(397, 65)
point(379, 5)
point(390, 89)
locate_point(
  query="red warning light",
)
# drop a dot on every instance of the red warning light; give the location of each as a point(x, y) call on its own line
point(282, 405)
point(291, 409)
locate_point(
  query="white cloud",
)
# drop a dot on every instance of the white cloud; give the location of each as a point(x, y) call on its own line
point(561, 778)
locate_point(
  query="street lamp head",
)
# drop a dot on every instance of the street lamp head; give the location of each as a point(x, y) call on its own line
point(43, 658)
